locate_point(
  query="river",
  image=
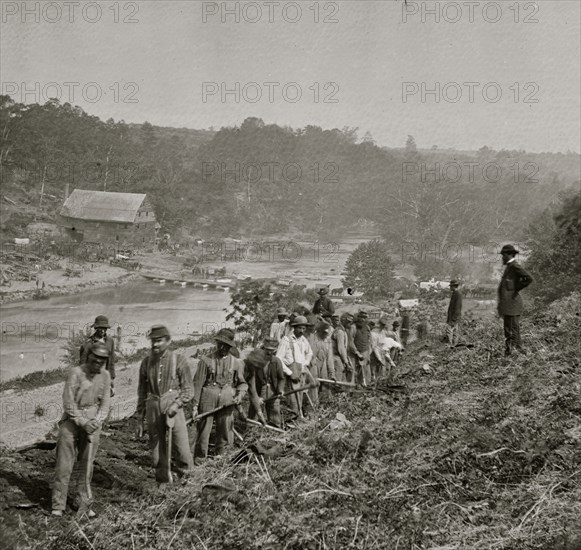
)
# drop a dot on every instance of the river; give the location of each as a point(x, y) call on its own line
point(34, 332)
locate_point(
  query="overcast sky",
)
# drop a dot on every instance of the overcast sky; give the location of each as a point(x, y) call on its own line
point(370, 55)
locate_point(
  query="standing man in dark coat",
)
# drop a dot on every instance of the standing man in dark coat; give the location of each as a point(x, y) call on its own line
point(164, 387)
point(454, 313)
point(101, 325)
point(324, 305)
point(510, 304)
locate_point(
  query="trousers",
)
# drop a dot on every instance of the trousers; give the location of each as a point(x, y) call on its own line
point(512, 333)
point(213, 397)
point(362, 372)
point(453, 333)
point(73, 448)
point(157, 430)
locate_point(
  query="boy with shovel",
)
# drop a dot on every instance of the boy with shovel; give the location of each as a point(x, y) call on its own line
point(165, 386)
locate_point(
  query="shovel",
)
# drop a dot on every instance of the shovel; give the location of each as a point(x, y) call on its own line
point(84, 508)
point(255, 422)
point(170, 421)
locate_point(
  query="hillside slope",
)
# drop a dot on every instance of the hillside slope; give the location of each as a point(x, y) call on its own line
point(479, 453)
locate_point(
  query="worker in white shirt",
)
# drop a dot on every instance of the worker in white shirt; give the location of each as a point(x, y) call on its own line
point(381, 346)
point(295, 353)
point(279, 328)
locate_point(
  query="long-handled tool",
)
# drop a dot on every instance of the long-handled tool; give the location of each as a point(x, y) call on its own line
point(302, 388)
point(209, 413)
point(255, 422)
point(260, 425)
point(170, 421)
point(85, 504)
point(88, 469)
point(336, 382)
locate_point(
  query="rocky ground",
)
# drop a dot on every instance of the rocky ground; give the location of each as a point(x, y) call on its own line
point(479, 452)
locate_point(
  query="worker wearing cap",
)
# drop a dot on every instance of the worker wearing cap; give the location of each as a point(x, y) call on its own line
point(274, 382)
point(295, 353)
point(340, 342)
point(164, 387)
point(324, 306)
point(454, 313)
point(510, 304)
point(86, 400)
point(279, 328)
point(101, 325)
point(219, 380)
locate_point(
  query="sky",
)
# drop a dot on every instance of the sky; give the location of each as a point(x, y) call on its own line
point(502, 74)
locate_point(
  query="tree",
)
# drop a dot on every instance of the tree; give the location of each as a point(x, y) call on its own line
point(555, 261)
point(410, 144)
point(254, 303)
point(369, 269)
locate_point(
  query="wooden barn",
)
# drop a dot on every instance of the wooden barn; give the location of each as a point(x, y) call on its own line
point(119, 219)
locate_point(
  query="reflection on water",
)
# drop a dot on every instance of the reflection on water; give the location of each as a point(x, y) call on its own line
point(34, 332)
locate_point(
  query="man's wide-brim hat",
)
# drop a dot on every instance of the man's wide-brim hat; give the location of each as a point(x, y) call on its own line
point(454, 282)
point(299, 321)
point(323, 326)
point(100, 350)
point(257, 358)
point(158, 331)
point(270, 344)
point(226, 336)
point(281, 311)
point(323, 290)
point(508, 249)
point(101, 322)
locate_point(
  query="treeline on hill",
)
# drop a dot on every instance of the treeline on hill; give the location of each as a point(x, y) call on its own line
point(264, 179)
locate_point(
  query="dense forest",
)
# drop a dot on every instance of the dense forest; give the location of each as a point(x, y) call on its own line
point(260, 179)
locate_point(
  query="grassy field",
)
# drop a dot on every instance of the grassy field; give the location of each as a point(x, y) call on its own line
point(479, 452)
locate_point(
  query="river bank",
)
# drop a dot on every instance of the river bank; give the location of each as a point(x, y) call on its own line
point(56, 283)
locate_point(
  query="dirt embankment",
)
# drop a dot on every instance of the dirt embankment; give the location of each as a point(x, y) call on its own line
point(479, 453)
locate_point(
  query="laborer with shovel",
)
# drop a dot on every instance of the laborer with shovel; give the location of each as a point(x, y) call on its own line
point(270, 383)
point(219, 382)
point(86, 399)
point(165, 386)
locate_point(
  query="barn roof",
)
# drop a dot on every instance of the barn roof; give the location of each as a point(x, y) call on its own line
point(102, 206)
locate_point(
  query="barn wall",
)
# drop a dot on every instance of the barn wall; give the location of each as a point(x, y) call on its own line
point(135, 235)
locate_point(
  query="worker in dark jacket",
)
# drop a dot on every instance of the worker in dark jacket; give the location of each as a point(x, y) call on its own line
point(324, 305)
point(165, 386)
point(101, 325)
point(454, 313)
point(510, 304)
point(254, 365)
point(269, 381)
point(361, 350)
point(219, 380)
